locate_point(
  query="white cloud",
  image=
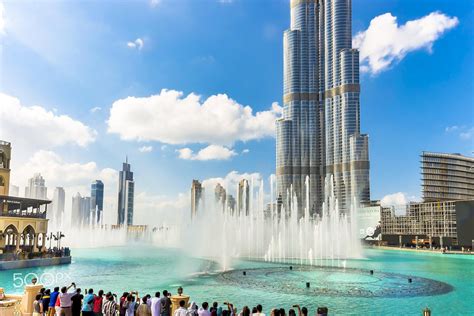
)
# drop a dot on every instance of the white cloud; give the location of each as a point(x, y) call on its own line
point(145, 149)
point(171, 118)
point(449, 129)
point(154, 3)
point(138, 44)
point(245, 151)
point(395, 199)
point(464, 132)
point(58, 172)
point(2, 18)
point(467, 134)
point(385, 42)
point(37, 127)
point(72, 176)
point(230, 181)
point(211, 152)
point(95, 109)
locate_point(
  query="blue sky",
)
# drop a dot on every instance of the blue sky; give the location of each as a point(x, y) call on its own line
point(72, 57)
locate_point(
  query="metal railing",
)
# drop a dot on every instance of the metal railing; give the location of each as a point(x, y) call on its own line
point(41, 215)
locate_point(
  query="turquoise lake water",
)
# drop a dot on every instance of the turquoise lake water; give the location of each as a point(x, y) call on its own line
point(444, 283)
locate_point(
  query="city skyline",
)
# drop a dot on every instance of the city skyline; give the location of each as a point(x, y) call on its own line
point(401, 92)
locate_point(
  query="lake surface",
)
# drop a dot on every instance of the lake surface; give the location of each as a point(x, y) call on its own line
point(444, 283)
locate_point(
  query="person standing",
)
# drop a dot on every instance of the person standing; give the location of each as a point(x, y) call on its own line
point(109, 307)
point(259, 311)
point(181, 311)
point(131, 304)
point(45, 301)
point(165, 304)
point(76, 303)
point(37, 306)
point(98, 301)
point(88, 304)
point(193, 309)
point(156, 305)
point(204, 311)
point(144, 309)
point(52, 302)
point(123, 301)
point(65, 300)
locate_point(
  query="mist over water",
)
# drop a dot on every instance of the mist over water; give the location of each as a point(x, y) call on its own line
point(277, 236)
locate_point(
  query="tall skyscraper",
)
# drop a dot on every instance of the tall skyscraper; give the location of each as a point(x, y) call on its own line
point(318, 135)
point(197, 197)
point(230, 203)
point(125, 195)
point(97, 199)
point(447, 177)
point(243, 198)
point(220, 196)
point(81, 210)
point(36, 188)
point(14, 190)
point(59, 197)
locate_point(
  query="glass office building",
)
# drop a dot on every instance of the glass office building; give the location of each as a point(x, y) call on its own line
point(97, 199)
point(318, 136)
point(126, 195)
point(447, 177)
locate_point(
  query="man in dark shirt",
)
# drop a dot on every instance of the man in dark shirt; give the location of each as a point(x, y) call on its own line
point(46, 298)
point(76, 303)
point(165, 304)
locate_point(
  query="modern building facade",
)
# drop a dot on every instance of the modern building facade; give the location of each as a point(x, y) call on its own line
point(81, 210)
point(197, 197)
point(14, 190)
point(447, 177)
point(57, 207)
point(126, 195)
point(220, 197)
point(439, 224)
point(36, 188)
point(318, 136)
point(230, 203)
point(97, 199)
point(243, 197)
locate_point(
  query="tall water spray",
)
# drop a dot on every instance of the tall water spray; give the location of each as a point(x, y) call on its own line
point(286, 233)
point(282, 235)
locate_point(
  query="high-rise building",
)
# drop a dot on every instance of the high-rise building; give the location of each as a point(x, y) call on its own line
point(36, 188)
point(243, 198)
point(14, 190)
point(447, 177)
point(220, 196)
point(97, 199)
point(59, 197)
point(125, 195)
point(440, 223)
point(81, 210)
point(318, 135)
point(230, 203)
point(197, 197)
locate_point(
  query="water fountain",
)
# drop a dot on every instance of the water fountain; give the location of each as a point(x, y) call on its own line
point(327, 239)
point(280, 236)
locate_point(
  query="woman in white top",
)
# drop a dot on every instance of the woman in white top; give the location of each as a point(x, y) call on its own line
point(37, 306)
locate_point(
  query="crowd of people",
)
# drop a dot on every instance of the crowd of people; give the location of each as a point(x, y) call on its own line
point(71, 301)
